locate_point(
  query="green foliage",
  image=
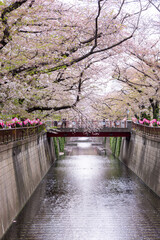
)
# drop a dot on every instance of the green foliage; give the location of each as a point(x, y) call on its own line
point(42, 128)
point(145, 115)
point(56, 147)
point(15, 116)
point(6, 117)
point(118, 146)
point(1, 3)
point(56, 117)
point(115, 143)
point(15, 101)
point(21, 100)
point(156, 113)
point(61, 143)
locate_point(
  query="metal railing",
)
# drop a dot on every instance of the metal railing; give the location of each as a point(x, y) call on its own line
point(15, 134)
point(146, 129)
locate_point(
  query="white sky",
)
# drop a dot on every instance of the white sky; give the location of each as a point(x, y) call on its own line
point(80, 2)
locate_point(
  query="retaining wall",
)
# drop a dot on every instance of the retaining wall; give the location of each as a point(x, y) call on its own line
point(142, 155)
point(23, 164)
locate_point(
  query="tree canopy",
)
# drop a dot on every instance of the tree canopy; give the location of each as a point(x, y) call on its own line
point(53, 54)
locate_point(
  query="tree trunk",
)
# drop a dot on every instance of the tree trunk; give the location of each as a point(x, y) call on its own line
point(155, 108)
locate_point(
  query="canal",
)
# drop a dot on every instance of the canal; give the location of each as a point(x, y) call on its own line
point(86, 196)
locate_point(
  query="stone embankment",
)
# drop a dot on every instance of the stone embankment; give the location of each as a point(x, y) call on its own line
point(23, 164)
point(141, 154)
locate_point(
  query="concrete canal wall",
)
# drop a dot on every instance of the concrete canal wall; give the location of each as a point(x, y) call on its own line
point(23, 164)
point(142, 155)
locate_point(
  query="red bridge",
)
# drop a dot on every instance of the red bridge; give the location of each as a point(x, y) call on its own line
point(90, 129)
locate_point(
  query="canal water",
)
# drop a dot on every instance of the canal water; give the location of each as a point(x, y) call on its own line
point(86, 196)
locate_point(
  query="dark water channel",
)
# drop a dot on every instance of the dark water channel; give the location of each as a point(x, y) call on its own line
point(86, 196)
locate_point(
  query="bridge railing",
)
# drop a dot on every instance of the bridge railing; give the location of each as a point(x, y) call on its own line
point(146, 129)
point(15, 134)
point(86, 125)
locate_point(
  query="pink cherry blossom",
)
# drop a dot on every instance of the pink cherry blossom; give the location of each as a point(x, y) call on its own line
point(141, 122)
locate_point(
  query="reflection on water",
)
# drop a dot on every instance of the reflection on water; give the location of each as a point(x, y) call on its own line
point(89, 197)
point(84, 148)
point(84, 145)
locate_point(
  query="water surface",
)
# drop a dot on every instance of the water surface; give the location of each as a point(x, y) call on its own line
point(85, 196)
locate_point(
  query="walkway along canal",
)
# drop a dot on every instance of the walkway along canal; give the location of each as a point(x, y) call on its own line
point(86, 196)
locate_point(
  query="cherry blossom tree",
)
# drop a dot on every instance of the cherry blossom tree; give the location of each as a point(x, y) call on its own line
point(139, 80)
point(137, 72)
point(49, 51)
